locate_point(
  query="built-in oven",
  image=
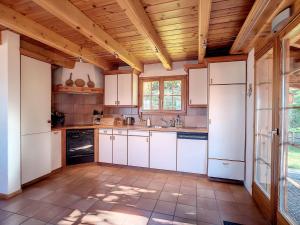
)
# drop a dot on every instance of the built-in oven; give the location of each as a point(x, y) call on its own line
point(80, 146)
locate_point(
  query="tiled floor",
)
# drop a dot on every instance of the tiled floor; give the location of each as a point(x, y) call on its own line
point(107, 195)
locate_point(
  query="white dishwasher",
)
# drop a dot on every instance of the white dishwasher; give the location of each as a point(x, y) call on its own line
point(192, 152)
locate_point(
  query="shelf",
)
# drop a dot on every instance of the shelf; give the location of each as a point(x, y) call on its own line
point(77, 90)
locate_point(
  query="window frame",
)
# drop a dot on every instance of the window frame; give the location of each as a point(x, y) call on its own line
point(161, 79)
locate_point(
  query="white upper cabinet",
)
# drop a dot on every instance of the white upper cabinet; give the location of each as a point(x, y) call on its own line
point(35, 96)
point(111, 90)
point(228, 72)
point(121, 90)
point(163, 150)
point(124, 89)
point(198, 86)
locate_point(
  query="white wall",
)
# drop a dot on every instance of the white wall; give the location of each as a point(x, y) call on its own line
point(80, 71)
point(10, 113)
point(249, 122)
point(157, 69)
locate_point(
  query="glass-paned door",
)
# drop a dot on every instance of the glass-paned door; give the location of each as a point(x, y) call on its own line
point(263, 121)
point(289, 191)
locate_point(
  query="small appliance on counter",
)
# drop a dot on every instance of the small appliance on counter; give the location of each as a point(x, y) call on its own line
point(97, 117)
point(57, 119)
point(129, 120)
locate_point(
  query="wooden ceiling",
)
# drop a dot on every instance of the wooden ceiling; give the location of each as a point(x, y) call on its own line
point(175, 21)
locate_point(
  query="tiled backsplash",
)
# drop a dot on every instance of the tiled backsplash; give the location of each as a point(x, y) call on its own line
point(78, 109)
point(196, 117)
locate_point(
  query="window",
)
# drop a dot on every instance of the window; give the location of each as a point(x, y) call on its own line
point(163, 94)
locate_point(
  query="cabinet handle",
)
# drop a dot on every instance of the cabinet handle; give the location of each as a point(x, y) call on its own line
point(147, 139)
point(110, 137)
point(211, 80)
point(225, 164)
point(105, 131)
point(150, 133)
point(190, 101)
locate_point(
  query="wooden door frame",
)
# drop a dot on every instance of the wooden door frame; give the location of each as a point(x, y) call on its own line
point(271, 209)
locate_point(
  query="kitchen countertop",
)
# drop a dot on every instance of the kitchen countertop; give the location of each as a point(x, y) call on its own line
point(135, 127)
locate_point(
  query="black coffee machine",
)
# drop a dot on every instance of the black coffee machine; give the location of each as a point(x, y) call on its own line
point(57, 119)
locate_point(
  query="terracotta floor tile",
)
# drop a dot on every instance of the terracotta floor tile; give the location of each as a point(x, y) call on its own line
point(83, 204)
point(183, 221)
point(33, 222)
point(156, 185)
point(207, 203)
point(152, 194)
point(32, 208)
point(171, 188)
point(4, 214)
point(160, 219)
point(208, 216)
point(225, 196)
point(47, 214)
point(64, 215)
point(168, 196)
point(188, 190)
point(165, 207)
point(205, 193)
point(186, 211)
point(146, 204)
point(15, 206)
point(36, 193)
point(14, 219)
point(187, 200)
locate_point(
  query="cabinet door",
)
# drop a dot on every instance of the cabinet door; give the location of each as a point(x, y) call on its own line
point(138, 151)
point(56, 149)
point(105, 148)
point(198, 87)
point(120, 149)
point(111, 89)
point(35, 96)
point(163, 150)
point(227, 122)
point(228, 72)
point(226, 169)
point(124, 89)
point(192, 156)
point(36, 156)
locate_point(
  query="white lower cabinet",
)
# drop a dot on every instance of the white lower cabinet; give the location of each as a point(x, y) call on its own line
point(105, 148)
point(226, 169)
point(120, 149)
point(138, 151)
point(55, 150)
point(163, 150)
point(36, 156)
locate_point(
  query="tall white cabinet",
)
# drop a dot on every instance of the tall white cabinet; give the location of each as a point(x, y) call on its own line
point(198, 86)
point(35, 119)
point(227, 94)
point(121, 90)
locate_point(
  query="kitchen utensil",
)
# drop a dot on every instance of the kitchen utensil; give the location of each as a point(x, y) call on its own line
point(79, 83)
point(130, 120)
point(70, 82)
point(90, 83)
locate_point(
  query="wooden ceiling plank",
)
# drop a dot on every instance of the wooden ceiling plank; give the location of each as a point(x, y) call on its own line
point(204, 17)
point(135, 11)
point(23, 25)
point(71, 15)
point(38, 52)
point(260, 14)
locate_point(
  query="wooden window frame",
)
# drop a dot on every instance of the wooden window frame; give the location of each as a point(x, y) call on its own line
point(161, 79)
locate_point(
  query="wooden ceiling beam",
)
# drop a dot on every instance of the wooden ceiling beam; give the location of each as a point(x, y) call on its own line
point(45, 55)
point(203, 23)
point(23, 25)
point(260, 16)
point(71, 15)
point(137, 15)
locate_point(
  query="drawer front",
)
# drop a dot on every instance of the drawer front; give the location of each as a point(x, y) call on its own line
point(105, 131)
point(226, 169)
point(120, 131)
point(138, 133)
